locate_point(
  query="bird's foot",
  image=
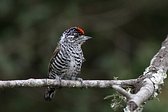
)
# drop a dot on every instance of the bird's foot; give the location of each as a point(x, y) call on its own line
point(78, 79)
point(59, 79)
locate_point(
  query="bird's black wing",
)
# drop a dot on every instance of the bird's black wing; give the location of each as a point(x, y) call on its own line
point(57, 49)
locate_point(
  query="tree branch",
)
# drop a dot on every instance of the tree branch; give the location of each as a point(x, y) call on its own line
point(154, 76)
point(65, 83)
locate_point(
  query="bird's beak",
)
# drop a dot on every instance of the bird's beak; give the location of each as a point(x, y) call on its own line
point(83, 38)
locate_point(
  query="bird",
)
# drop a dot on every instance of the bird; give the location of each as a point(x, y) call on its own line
point(67, 59)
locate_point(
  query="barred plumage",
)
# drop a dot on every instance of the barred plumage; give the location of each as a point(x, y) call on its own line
point(67, 58)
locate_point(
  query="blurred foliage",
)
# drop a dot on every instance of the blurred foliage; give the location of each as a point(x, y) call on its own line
point(126, 34)
point(118, 101)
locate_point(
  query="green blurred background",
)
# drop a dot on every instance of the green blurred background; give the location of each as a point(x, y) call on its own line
point(127, 34)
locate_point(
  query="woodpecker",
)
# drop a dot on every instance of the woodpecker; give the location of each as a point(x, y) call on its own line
point(67, 58)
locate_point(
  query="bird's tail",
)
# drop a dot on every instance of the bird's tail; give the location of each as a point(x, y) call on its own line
point(49, 93)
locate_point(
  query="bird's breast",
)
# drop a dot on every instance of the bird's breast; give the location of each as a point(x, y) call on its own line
point(75, 64)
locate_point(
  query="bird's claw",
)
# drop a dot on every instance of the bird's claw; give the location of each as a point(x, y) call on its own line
point(59, 79)
point(80, 80)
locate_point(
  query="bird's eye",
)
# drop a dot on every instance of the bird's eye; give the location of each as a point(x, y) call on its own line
point(71, 38)
point(76, 35)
